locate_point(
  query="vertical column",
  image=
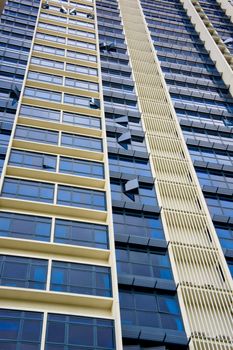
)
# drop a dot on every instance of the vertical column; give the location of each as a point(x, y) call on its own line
point(56, 175)
point(144, 270)
point(205, 286)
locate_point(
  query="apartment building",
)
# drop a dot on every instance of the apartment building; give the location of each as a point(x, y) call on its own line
point(116, 186)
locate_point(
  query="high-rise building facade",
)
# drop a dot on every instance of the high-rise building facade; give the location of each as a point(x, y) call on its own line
point(116, 191)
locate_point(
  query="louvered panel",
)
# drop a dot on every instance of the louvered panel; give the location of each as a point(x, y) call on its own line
point(172, 170)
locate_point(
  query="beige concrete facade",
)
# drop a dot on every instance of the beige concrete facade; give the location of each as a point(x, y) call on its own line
point(47, 301)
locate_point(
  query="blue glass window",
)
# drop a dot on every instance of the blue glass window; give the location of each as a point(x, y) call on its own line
point(47, 78)
point(20, 15)
point(80, 55)
point(112, 39)
point(50, 50)
point(81, 84)
point(135, 143)
point(81, 233)
point(34, 134)
point(23, 7)
point(25, 226)
point(5, 137)
point(81, 167)
point(33, 160)
point(145, 195)
point(67, 332)
point(225, 235)
point(20, 330)
point(2, 160)
point(39, 113)
point(114, 60)
point(143, 263)
point(83, 142)
point(123, 102)
point(47, 37)
point(82, 120)
point(23, 272)
point(77, 100)
point(52, 26)
point(81, 279)
point(150, 310)
point(81, 69)
point(129, 165)
point(81, 23)
point(78, 43)
point(219, 205)
point(210, 155)
point(29, 190)
point(43, 94)
point(202, 101)
point(77, 197)
point(81, 33)
point(47, 63)
point(115, 72)
point(169, 312)
point(53, 17)
point(137, 224)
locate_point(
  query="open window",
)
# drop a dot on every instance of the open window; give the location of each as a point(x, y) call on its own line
point(48, 163)
point(122, 120)
point(63, 10)
point(73, 12)
point(132, 186)
point(94, 103)
point(45, 5)
point(228, 122)
point(15, 94)
point(90, 15)
point(125, 138)
point(228, 41)
point(109, 47)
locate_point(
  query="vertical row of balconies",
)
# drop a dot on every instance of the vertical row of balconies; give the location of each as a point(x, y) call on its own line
point(57, 169)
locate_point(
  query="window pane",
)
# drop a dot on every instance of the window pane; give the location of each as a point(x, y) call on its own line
point(40, 113)
point(29, 190)
point(20, 329)
point(77, 197)
point(43, 94)
point(25, 226)
point(36, 134)
point(80, 233)
point(34, 160)
point(47, 78)
point(81, 167)
point(78, 141)
point(85, 121)
point(80, 279)
point(66, 332)
point(23, 272)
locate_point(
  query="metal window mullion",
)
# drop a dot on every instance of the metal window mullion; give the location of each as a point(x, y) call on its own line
point(43, 333)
